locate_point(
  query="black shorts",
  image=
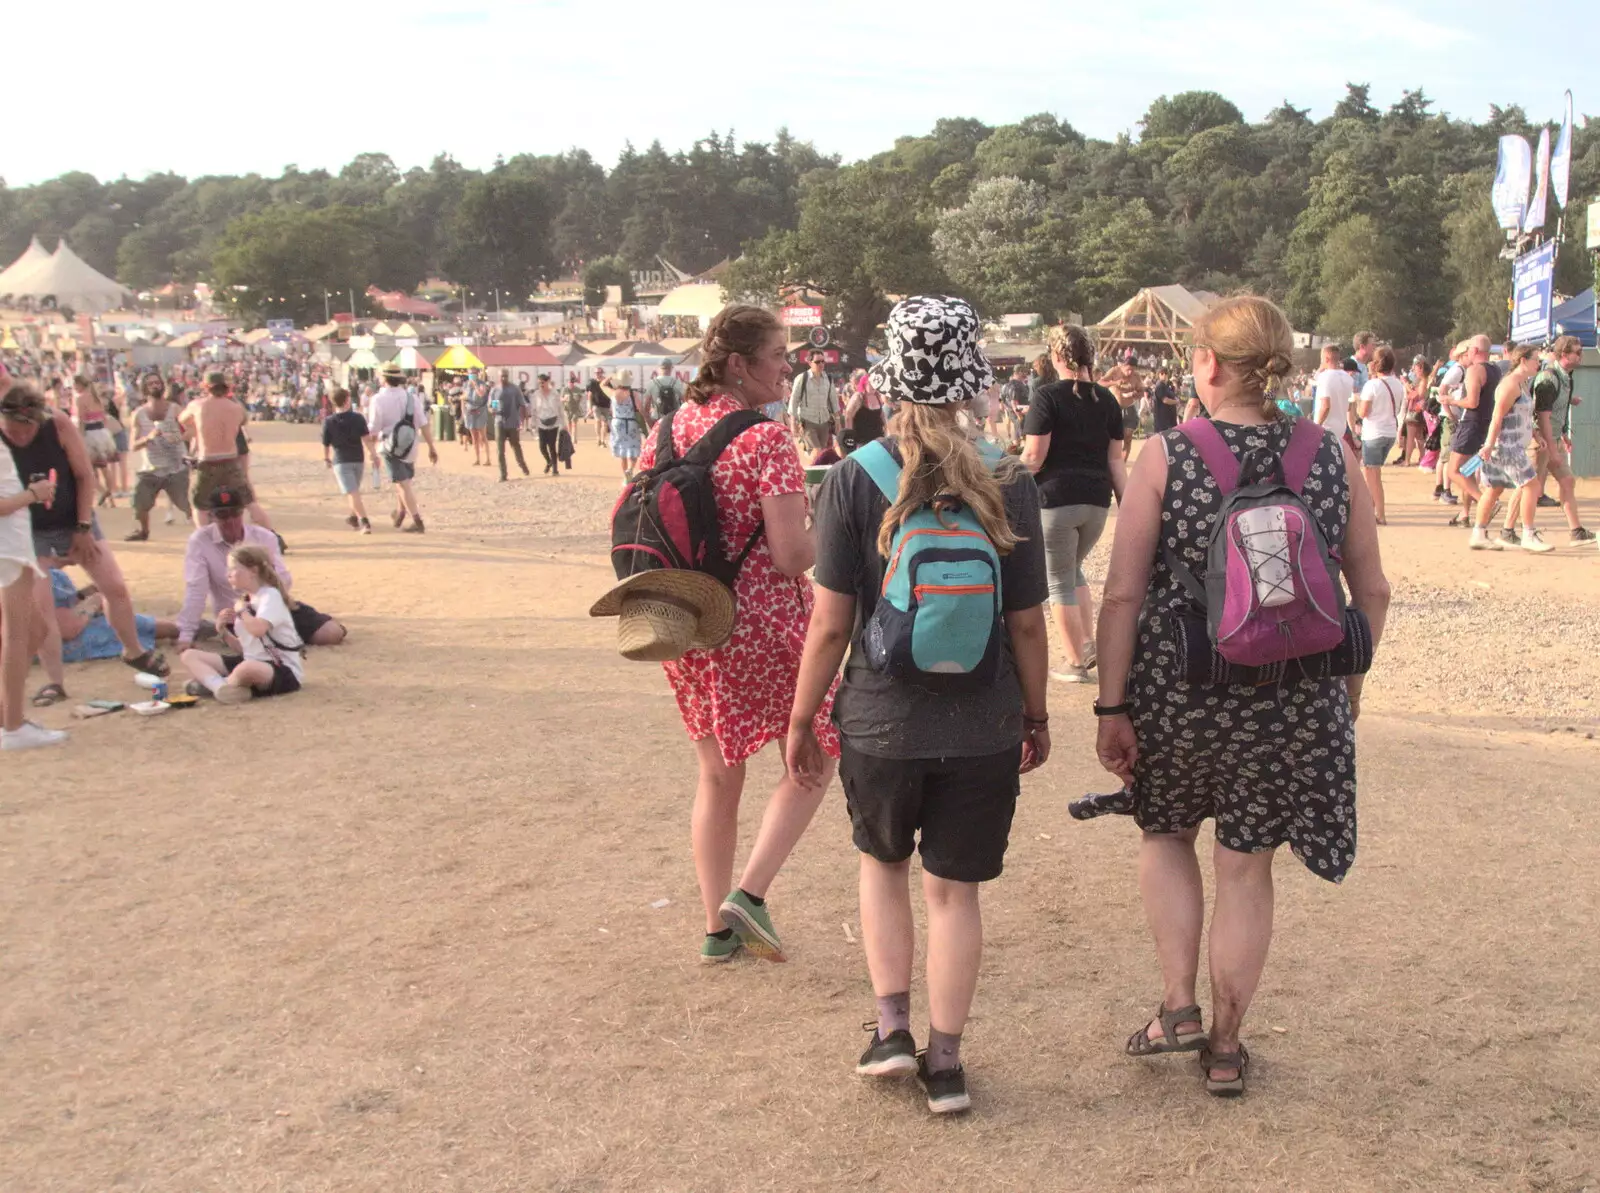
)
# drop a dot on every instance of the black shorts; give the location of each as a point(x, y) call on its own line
point(308, 621)
point(1469, 438)
point(283, 680)
point(962, 807)
point(1130, 419)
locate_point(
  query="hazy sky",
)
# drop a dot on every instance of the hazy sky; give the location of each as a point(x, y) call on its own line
point(225, 87)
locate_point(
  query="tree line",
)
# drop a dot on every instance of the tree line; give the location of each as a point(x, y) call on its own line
point(1367, 219)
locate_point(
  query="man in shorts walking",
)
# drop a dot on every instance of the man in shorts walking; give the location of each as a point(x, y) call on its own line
point(1553, 400)
point(399, 419)
point(159, 440)
point(345, 442)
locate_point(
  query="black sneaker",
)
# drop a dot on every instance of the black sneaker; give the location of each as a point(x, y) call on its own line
point(946, 1090)
point(1510, 536)
point(892, 1056)
point(1581, 535)
point(1547, 503)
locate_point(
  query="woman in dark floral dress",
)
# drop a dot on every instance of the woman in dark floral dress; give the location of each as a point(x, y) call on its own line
point(1272, 765)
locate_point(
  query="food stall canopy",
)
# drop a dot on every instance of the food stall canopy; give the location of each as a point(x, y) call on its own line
point(362, 358)
point(410, 360)
point(458, 358)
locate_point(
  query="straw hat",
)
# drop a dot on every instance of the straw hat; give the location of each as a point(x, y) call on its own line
point(667, 611)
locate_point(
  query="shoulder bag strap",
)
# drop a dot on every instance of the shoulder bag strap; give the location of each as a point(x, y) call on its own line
point(715, 441)
point(878, 463)
point(1214, 452)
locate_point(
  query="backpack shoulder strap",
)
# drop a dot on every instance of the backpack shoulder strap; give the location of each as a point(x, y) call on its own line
point(666, 450)
point(879, 463)
point(715, 441)
point(992, 454)
point(1214, 452)
point(1304, 443)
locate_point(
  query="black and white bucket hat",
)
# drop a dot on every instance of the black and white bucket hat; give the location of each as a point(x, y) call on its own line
point(933, 355)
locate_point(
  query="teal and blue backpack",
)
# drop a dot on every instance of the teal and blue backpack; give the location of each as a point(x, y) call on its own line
point(937, 621)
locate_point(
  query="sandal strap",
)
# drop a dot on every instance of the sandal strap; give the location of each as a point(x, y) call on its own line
point(1225, 1060)
point(1171, 1019)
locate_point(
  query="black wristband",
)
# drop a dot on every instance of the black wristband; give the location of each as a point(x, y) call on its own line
point(1115, 710)
point(1027, 720)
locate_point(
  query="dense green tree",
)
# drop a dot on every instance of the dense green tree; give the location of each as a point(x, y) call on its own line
point(1120, 248)
point(1188, 113)
point(862, 235)
point(278, 262)
point(603, 272)
point(499, 235)
point(1000, 251)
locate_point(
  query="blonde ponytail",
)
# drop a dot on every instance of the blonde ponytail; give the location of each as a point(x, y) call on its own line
point(939, 461)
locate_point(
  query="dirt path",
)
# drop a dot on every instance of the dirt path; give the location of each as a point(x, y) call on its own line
point(396, 933)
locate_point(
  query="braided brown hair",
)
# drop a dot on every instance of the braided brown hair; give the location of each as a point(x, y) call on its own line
point(736, 329)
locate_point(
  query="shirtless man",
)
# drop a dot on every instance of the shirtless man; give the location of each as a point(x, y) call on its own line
point(1124, 381)
point(214, 426)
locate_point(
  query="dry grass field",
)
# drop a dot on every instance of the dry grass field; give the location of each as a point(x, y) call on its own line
point(397, 932)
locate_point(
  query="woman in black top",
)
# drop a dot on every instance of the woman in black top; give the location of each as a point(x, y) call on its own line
point(1072, 442)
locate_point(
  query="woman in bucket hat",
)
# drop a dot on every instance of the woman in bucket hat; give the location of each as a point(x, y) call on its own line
point(736, 679)
point(920, 760)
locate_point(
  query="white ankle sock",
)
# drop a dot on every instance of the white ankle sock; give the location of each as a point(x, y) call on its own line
point(214, 683)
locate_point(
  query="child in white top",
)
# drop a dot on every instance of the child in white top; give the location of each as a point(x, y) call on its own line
point(268, 662)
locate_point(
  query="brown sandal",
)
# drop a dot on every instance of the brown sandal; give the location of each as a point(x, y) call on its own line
point(1172, 1040)
point(1210, 1060)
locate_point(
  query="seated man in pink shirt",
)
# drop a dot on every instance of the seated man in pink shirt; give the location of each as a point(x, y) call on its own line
point(205, 573)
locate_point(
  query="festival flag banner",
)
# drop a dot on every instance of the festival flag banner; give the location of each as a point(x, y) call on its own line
point(1510, 192)
point(1539, 205)
point(1532, 281)
point(1561, 161)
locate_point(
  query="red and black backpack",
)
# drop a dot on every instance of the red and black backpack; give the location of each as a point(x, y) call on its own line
point(667, 517)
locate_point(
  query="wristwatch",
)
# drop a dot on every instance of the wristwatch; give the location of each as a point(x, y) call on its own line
point(83, 528)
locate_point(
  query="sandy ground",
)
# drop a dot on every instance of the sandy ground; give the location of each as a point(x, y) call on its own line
point(396, 932)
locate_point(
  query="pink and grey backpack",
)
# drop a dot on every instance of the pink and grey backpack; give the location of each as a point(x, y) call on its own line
point(1272, 589)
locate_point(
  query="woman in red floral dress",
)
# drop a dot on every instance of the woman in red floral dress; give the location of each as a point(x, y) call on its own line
point(736, 699)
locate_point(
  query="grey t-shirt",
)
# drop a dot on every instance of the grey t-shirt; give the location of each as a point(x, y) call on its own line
point(896, 718)
point(512, 404)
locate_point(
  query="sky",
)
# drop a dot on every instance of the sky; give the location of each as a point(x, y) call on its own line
point(222, 87)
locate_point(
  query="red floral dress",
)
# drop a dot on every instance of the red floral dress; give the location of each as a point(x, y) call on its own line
point(741, 692)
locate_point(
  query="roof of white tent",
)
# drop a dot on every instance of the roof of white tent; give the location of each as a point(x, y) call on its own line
point(71, 280)
point(32, 256)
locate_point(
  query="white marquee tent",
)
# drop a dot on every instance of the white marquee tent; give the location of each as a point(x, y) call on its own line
point(35, 255)
point(67, 278)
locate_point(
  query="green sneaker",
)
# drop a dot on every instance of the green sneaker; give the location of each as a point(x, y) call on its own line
point(752, 925)
point(717, 952)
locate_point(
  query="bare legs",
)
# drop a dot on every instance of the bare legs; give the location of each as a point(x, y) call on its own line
point(955, 950)
point(408, 500)
point(1464, 486)
point(714, 829)
point(955, 938)
point(1241, 932)
point(1241, 927)
point(1075, 625)
point(1374, 477)
point(204, 665)
point(16, 630)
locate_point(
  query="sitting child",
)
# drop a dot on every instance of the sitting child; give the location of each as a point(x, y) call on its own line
point(270, 654)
